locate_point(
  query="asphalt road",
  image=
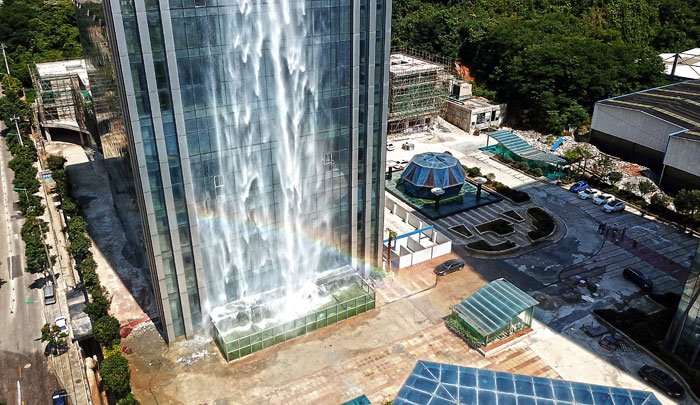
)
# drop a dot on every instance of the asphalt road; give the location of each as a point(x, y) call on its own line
point(21, 314)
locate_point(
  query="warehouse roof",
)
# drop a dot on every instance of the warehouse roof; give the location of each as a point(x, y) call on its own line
point(677, 103)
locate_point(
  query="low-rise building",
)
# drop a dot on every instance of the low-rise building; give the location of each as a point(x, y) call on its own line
point(474, 113)
point(658, 128)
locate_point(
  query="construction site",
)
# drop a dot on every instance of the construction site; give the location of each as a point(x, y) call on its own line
point(423, 87)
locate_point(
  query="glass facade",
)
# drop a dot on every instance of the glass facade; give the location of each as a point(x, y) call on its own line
point(255, 135)
point(684, 335)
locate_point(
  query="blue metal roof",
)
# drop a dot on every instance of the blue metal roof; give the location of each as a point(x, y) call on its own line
point(434, 170)
point(521, 148)
point(494, 305)
point(442, 384)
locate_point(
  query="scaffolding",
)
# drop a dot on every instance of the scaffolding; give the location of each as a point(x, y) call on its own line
point(61, 95)
point(419, 88)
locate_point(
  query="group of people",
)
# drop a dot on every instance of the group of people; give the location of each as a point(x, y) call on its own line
point(617, 233)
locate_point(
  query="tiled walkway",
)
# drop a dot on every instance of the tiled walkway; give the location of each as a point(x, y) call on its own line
point(379, 374)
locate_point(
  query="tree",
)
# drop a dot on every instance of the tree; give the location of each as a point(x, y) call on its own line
point(55, 163)
point(660, 200)
point(687, 202)
point(106, 331)
point(87, 269)
point(645, 187)
point(52, 334)
point(99, 303)
point(115, 375)
point(614, 177)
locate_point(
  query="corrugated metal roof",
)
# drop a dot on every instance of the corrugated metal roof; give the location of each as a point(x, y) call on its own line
point(493, 306)
point(523, 149)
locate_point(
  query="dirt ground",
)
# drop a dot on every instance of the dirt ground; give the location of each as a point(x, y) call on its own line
point(38, 383)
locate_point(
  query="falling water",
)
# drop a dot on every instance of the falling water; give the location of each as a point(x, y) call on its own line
point(268, 172)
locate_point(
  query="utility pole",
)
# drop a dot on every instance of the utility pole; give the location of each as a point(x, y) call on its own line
point(4, 55)
point(19, 136)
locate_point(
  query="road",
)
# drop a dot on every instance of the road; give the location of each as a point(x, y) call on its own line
point(21, 314)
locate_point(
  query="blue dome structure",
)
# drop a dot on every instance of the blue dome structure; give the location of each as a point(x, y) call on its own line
point(429, 170)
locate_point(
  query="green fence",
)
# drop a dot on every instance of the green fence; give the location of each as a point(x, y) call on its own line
point(234, 347)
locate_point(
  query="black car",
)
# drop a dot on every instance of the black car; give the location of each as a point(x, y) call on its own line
point(60, 397)
point(638, 278)
point(449, 266)
point(661, 380)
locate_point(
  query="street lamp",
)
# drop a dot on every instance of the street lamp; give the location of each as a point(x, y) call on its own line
point(19, 136)
point(437, 191)
point(479, 182)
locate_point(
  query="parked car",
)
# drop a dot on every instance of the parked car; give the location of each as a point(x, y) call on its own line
point(449, 266)
point(578, 186)
point(49, 294)
point(614, 205)
point(60, 397)
point(62, 324)
point(603, 198)
point(661, 380)
point(588, 193)
point(389, 146)
point(400, 164)
point(639, 278)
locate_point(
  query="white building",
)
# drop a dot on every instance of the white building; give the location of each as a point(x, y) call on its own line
point(659, 128)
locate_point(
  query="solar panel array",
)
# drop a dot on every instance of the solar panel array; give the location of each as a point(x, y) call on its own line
point(443, 384)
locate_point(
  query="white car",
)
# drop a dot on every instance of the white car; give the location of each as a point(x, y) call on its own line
point(612, 206)
point(603, 198)
point(400, 164)
point(588, 193)
point(390, 146)
point(62, 324)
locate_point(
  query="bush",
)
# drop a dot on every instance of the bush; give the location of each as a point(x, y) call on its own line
point(128, 400)
point(497, 226)
point(645, 187)
point(88, 272)
point(106, 331)
point(614, 177)
point(115, 375)
point(660, 200)
point(99, 303)
point(537, 172)
point(474, 171)
point(457, 327)
point(542, 221)
point(487, 247)
point(55, 163)
point(514, 195)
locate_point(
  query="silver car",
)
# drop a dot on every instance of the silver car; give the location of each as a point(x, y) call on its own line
point(588, 193)
point(603, 198)
point(612, 206)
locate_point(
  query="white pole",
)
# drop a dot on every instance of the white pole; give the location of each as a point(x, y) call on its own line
point(16, 120)
point(7, 67)
point(19, 393)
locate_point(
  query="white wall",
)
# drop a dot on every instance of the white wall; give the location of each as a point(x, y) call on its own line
point(633, 125)
point(684, 155)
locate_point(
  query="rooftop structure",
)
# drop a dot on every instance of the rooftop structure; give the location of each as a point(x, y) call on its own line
point(496, 310)
point(684, 65)
point(659, 128)
point(417, 89)
point(62, 89)
point(430, 170)
point(435, 383)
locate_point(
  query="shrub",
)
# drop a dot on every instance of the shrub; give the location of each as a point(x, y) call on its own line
point(487, 247)
point(457, 327)
point(474, 171)
point(115, 375)
point(106, 331)
point(128, 400)
point(537, 172)
point(55, 163)
point(88, 271)
point(645, 187)
point(498, 226)
point(614, 177)
point(514, 195)
point(660, 200)
point(99, 303)
point(542, 221)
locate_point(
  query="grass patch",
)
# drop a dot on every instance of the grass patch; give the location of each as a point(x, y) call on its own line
point(516, 196)
point(513, 215)
point(487, 247)
point(542, 221)
point(498, 226)
point(457, 327)
point(649, 331)
point(462, 230)
point(457, 199)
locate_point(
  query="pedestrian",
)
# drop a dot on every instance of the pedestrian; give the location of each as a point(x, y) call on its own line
point(615, 226)
point(600, 226)
point(623, 231)
point(605, 226)
point(634, 243)
point(617, 241)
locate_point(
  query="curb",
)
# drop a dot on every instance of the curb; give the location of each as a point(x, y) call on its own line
point(668, 368)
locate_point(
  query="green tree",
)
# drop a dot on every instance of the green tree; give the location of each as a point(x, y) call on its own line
point(106, 331)
point(88, 271)
point(687, 202)
point(115, 375)
point(51, 334)
point(128, 400)
point(614, 177)
point(12, 88)
point(55, 163)
point(99, 303)
point(645, 187)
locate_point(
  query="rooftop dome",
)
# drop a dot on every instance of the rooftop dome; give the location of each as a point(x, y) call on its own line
point(429, 170)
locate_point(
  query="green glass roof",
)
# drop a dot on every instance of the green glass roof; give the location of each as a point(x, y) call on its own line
point(517, 145)
point(493, 306)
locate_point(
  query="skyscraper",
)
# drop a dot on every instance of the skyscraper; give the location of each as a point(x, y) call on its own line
point(254, 133)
